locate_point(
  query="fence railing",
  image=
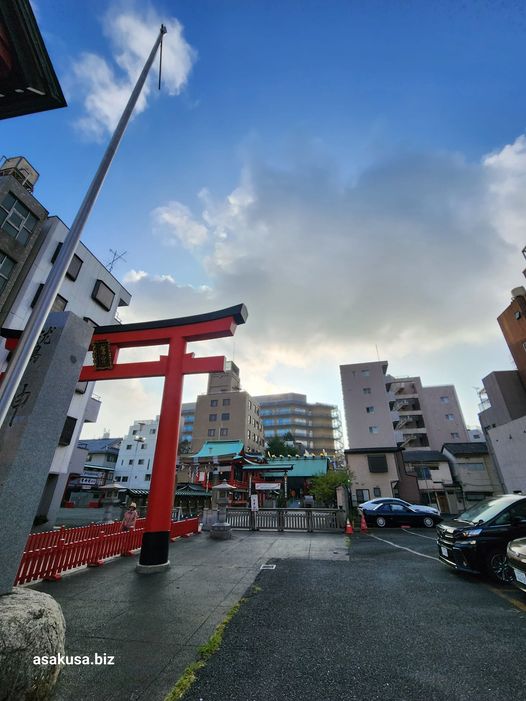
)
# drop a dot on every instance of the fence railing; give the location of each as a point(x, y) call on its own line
point(48, 554)
point(309, 520)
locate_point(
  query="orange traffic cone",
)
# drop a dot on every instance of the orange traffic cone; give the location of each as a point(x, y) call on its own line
point(363, 525)
point(348, 528)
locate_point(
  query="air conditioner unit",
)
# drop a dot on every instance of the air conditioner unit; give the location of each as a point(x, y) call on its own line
point(518, 292)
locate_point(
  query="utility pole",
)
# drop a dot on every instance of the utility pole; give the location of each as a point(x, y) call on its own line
point(31, 333)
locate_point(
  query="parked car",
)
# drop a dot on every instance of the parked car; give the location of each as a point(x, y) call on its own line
point(476, 540)
point(516, 553)
point(382, 515)
point(374, 503)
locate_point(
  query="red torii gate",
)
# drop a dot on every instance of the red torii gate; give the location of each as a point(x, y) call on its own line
point(176, 333)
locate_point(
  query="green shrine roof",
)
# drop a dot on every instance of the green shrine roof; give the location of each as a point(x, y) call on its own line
point(218, 449)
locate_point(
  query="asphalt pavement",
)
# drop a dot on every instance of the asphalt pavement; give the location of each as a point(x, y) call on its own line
point(376, 616)
point(391, 623)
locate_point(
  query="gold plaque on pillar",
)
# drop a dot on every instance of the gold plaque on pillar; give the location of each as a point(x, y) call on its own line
point(101, 351)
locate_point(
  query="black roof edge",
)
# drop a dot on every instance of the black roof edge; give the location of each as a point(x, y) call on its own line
point(238, 312)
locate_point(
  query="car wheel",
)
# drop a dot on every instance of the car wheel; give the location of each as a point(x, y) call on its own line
point(428, 522)
point(498, 567)
point(380, 522)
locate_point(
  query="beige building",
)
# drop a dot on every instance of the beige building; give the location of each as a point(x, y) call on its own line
point(380, 472)
point(473, 471)
point(227, 413)
point(316, 426)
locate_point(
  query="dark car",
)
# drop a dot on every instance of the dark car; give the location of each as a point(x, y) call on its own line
point(517, 558)
point(476, 540)
point(398, 515)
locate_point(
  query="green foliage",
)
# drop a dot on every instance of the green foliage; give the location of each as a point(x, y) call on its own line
point(276, 445)
point(184, 448)
point(323, 486)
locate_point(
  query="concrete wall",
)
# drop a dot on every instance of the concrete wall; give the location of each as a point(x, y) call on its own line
point(509, 446)
point(438, 404)
point(507, 398)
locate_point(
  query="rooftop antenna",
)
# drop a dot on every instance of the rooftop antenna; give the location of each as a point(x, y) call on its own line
point(115, 257)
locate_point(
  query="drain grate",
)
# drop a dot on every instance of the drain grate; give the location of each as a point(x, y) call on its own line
point(267, 567)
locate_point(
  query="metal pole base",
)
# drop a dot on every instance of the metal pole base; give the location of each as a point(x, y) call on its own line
point(152, 569)
point(154, 552)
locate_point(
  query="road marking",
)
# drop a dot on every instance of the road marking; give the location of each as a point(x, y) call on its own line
point(419, 534)
point(503, 595)
point(429, 557)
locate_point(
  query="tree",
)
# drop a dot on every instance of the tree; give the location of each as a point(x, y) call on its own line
point(277, 446)
point(184, 448)
point(323, 486)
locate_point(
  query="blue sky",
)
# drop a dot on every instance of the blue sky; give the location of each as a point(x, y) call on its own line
point(352, 171)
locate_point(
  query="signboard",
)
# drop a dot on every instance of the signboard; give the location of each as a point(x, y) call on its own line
point(254, 506)
point(268, 487)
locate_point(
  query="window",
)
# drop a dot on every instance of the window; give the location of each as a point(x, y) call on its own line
point(213, 402)
point(67, 431)
point(455, 435)
point(88, 459)
point(226, 402)
point(125, 478)
point(224, 432)
point(134, 432)
point(16, 219)
point(225, 417)
point(6, 268)
point(362, 495)
point(74, 267)
point(211, 432)
point(129, 446)
point(377, 492)
point(517, 315)
point(212, 417)
point(373, 429)
point(366, 372)
point(57, 251)
point(366, 390)
point(140, 462)
point(444, 400)
point(153, 430)
point(117, 479)
point(369, 409)
point(103, 295)
point(377, 463)
point(450, 417)
point(147, 477)
point(59, 304)
point(130, 462)
point(143, 446)
point(478, 466)
point(423, 473)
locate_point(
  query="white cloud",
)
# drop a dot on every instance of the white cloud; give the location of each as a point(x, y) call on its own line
point(134, 276)
point(417, 255)
point(175, 224)
point(105, 86)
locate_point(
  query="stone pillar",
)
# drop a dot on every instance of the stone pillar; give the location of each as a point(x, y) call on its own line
point(31, 431)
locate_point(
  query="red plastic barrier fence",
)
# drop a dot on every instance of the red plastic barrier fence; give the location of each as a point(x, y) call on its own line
point(49, 554)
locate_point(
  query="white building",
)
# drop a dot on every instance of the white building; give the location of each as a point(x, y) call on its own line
point(135, 460)
point(91, 292)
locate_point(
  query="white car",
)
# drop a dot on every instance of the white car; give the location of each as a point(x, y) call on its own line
point(375, 503)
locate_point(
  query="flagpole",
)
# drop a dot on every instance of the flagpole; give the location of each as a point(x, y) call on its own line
point(28, 340)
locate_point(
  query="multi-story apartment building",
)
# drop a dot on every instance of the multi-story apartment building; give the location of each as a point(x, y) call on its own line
point(226, 412)
point(385, 411)
point(134, 464)
point(89, 290)
point(316, 426)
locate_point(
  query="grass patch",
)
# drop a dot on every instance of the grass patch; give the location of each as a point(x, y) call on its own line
point(205, 652)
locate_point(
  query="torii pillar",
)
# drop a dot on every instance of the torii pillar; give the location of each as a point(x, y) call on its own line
point(106, 343)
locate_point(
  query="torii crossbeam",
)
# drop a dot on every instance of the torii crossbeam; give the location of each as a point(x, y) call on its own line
point(106, 343)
